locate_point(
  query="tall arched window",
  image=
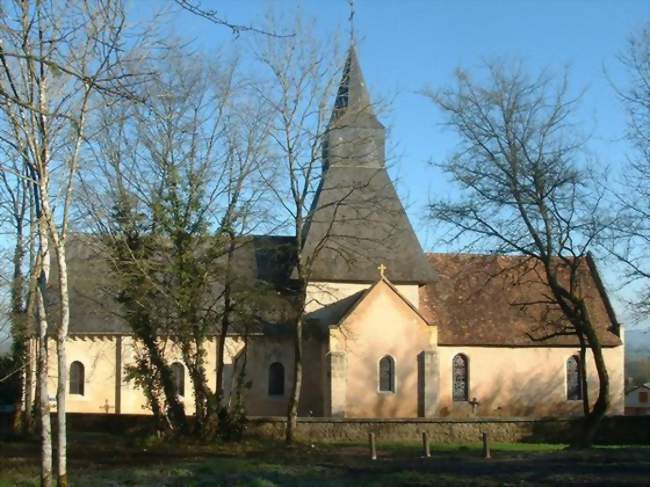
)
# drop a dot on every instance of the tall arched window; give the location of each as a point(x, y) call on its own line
point(276, 379)
point(460, 378)
point(178, 375)
point(573, 386)
point(77, 378)
point(387, 374)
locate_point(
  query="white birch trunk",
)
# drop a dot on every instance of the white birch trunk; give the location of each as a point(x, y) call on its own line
point(44, 397)
point(62, 333)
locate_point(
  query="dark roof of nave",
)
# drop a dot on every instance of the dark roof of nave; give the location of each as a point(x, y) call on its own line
point(483, 300)
point(262, 265)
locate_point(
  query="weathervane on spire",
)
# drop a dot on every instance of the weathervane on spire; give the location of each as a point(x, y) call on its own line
point(351, 21)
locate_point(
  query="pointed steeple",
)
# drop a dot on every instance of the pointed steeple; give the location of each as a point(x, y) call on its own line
point(355, 136)
point(357, 221)
point(352, 99)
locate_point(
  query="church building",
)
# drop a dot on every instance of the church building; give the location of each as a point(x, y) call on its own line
point(391, 331)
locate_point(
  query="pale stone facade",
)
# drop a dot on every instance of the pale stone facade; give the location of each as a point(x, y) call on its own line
point(341, 373)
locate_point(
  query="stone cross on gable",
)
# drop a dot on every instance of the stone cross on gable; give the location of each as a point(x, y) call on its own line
point(382, 270)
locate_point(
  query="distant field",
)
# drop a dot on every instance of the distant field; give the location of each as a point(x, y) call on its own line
point(110, 460)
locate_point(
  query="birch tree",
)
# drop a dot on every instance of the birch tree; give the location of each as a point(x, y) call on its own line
point(54, 58)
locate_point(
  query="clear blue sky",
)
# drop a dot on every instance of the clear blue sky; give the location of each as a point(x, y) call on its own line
point(407, 45)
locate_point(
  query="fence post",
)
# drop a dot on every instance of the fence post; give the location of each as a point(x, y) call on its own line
point(373, 446)
point(486, 447)
point(425, 444)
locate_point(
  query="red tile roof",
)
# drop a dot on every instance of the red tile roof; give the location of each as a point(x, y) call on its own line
point(503, 301)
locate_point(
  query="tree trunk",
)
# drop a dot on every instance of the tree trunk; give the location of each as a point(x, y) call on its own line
point(594, 418)
point(61, 336)
point(30, 314)
point(225, 319)
point(28, 388)
point(575, 309)
point(18, 324)
point(175, 409)
point(44, 397)
point(294, 398)
point(193, 358)
point(584, 384)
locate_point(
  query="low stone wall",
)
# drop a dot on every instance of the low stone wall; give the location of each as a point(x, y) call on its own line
point(614, 429)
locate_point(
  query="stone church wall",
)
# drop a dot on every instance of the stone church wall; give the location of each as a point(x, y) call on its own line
point(264, 351)
point(104, 358)
point(524, 381)
point(382, 325)
point(98, 356)
point(322, 294)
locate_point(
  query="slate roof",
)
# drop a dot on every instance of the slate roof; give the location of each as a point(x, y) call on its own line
point(357, 221)
point(476, 300)
point(262, 266)
point(494, 300)
point(352, 104)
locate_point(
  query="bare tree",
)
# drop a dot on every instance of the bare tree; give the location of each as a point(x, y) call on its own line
point(15, 210)
point(54, 57)
point(301, 82)
point(630, 238)
point(212, 15)
point(525, 189)
point(179, 186)
point(323, 123)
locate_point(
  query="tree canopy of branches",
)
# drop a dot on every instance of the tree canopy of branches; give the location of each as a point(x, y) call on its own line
point(178, 187)
point(299, 88)
point(631, 234)
point(525, 189)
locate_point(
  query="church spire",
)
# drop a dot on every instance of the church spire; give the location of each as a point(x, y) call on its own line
point(352, 99)
point(354, 137)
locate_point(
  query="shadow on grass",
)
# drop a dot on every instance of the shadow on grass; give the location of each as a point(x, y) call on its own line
point(115, 460)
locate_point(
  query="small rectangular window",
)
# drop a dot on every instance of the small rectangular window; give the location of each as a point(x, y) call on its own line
point(643, 396)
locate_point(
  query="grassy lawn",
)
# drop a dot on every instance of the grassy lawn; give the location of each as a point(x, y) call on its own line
point(111, 460)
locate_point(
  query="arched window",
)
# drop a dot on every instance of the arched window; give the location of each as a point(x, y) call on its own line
point(276, 379)
point(573, 385)
point(460, 377)
point(77, 378)
point(178, 375)
point(387, 374)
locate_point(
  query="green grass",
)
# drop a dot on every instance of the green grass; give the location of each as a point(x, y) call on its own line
point(110, 460)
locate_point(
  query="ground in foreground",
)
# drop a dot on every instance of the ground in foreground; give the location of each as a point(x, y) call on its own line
point(103, 460)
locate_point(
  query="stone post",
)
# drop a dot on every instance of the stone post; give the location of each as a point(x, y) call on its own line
point(373, 446)
point(118, 375)
point(338, 384)
point(428, 383)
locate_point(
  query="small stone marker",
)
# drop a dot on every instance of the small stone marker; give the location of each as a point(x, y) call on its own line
point(373, 446)
point(106, 407)
point(486, 447)
point(425, 444)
